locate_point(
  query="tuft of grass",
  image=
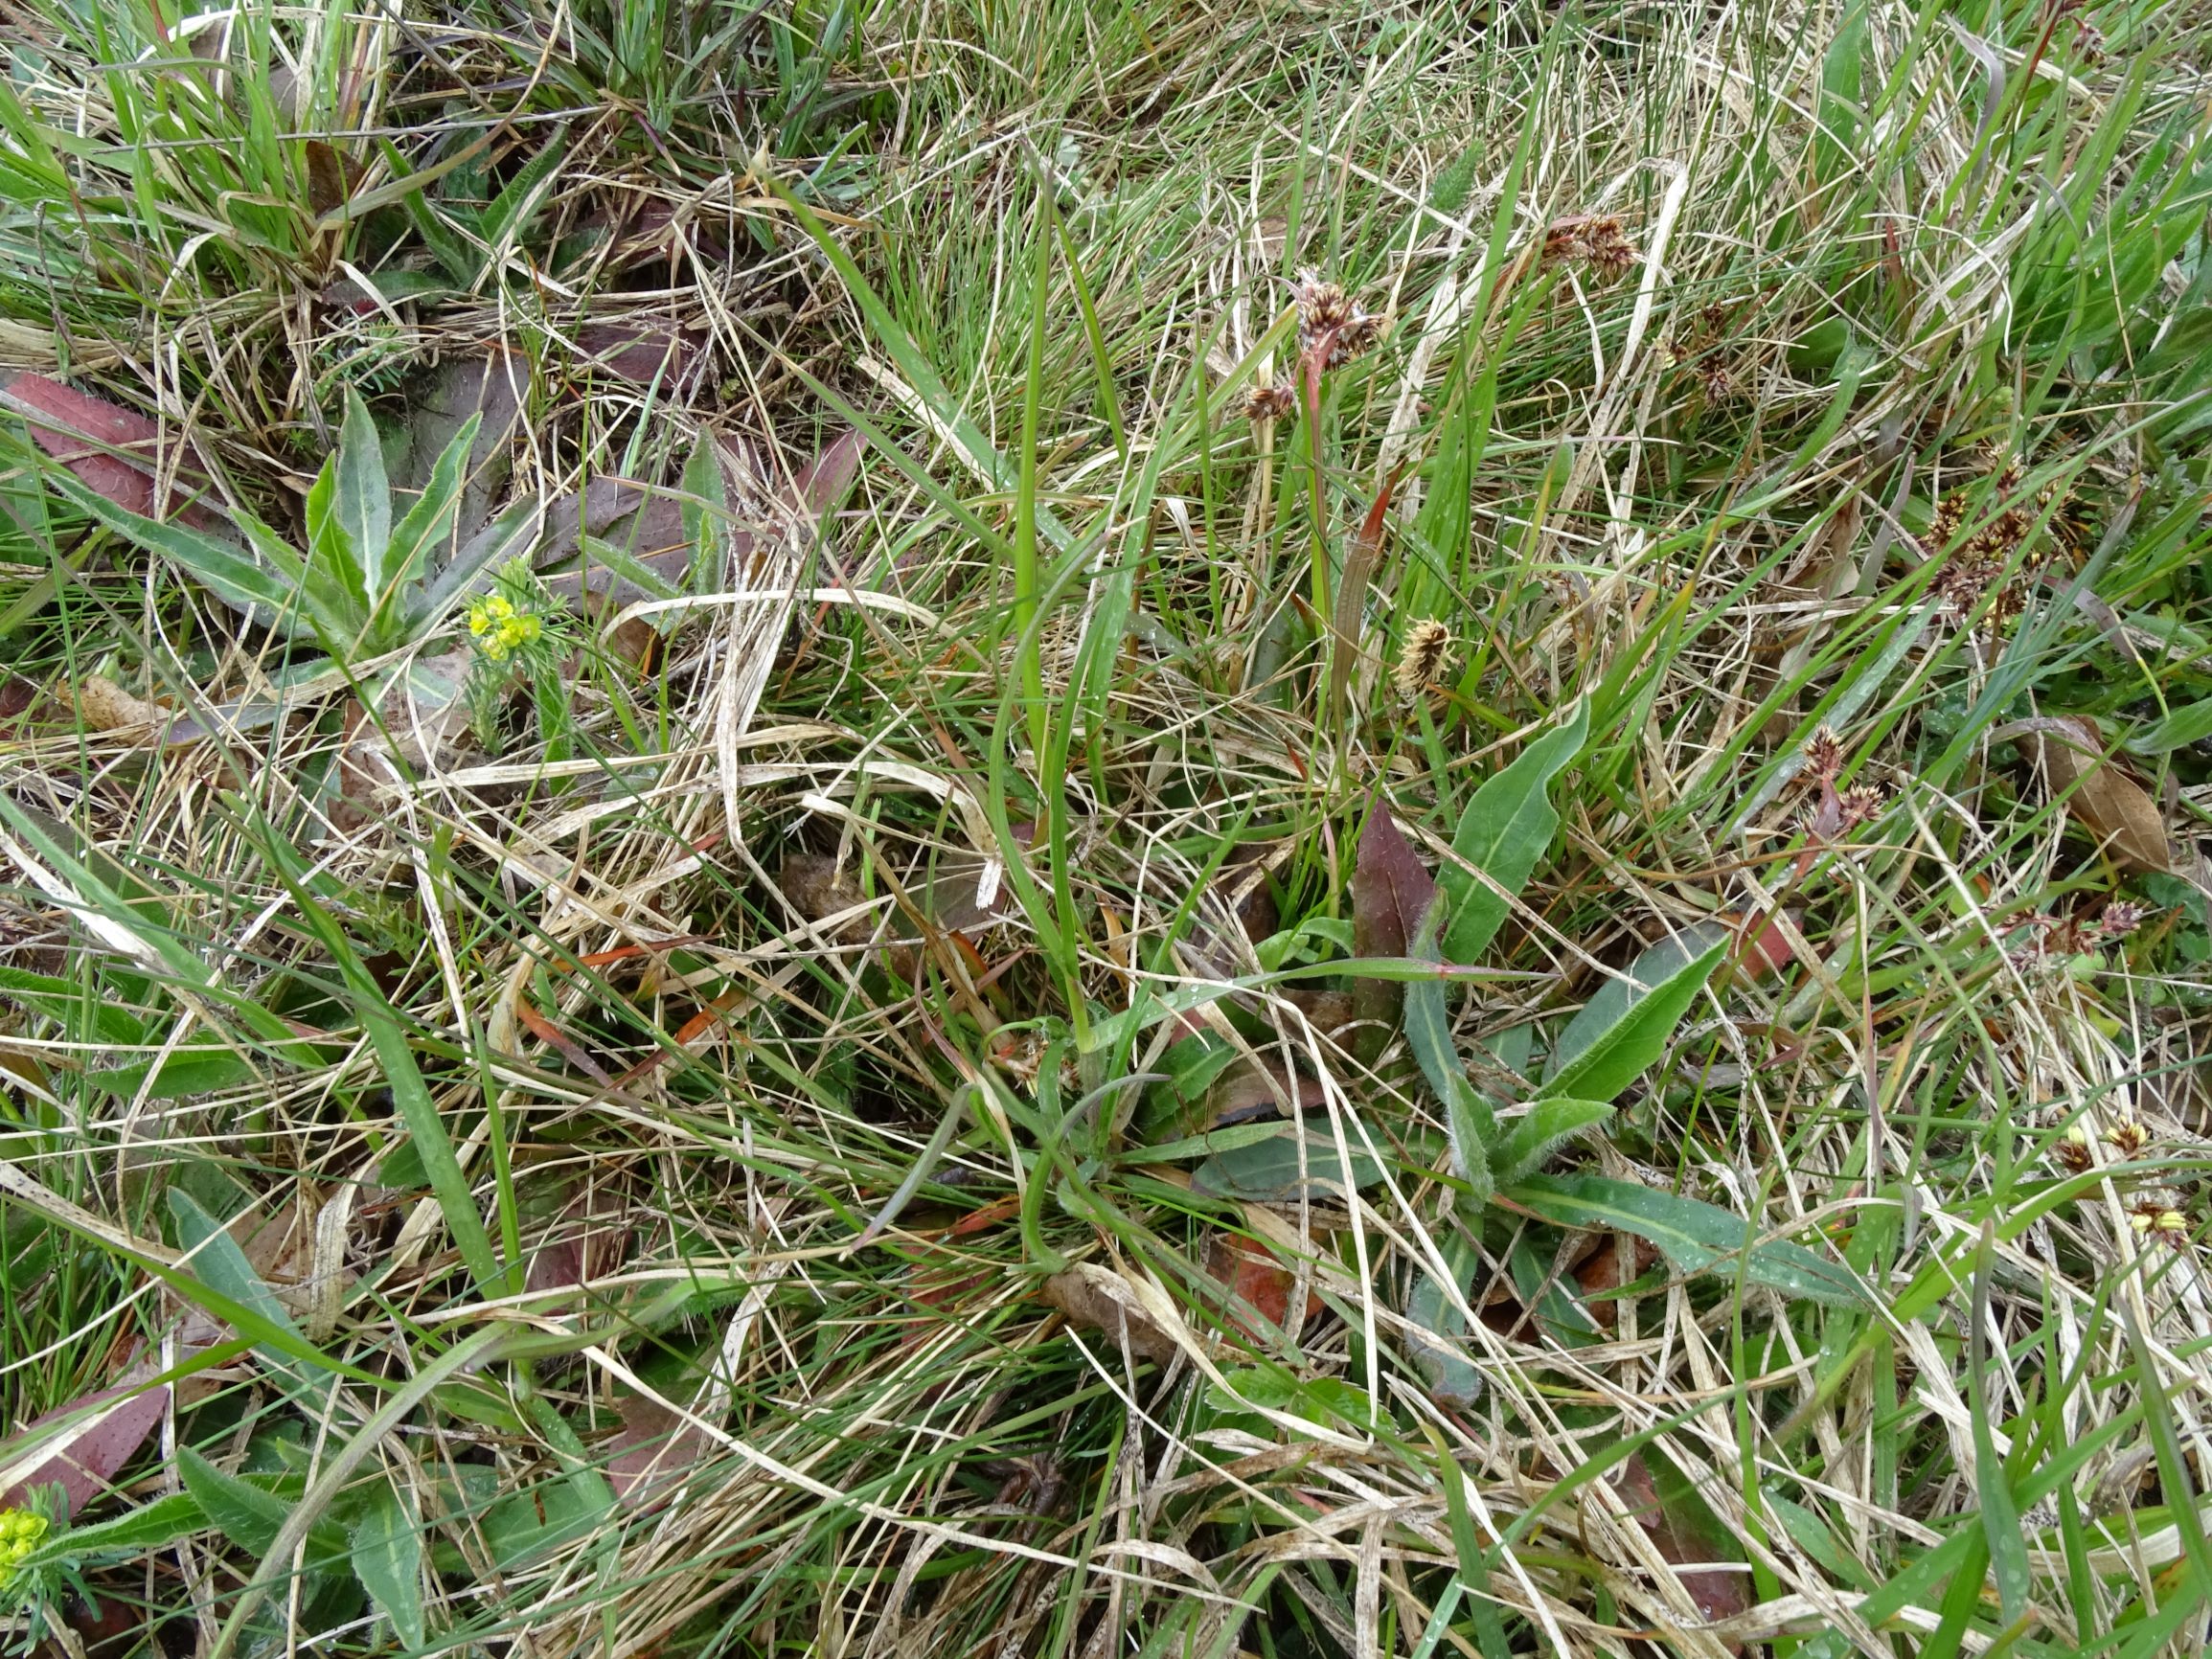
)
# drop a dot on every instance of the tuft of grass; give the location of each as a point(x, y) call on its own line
point(879, 1076)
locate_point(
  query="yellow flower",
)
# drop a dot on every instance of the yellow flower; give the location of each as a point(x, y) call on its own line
point(20, 1531)
point(500, 629)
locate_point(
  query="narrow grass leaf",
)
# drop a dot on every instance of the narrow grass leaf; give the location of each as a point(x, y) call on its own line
point(2001, 1516)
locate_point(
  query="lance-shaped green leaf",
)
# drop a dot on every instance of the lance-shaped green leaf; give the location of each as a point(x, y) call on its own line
point(1527, 1141)
point(1466, 1115)
point(1626, 1027)
point(1505, 831)
point(1695, 1237)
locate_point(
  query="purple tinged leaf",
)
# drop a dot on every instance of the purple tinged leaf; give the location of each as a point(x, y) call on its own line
point(1391, 891)
point(86, 1465)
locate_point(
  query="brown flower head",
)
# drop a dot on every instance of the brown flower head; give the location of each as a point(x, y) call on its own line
point(1422, 657)
point(2128, 1139)
point(1330, 329)
point(1592, 239)
point(2119, 919)
point(1860, 804)
point(1321, 305)
point(2071, 1150)
point(1824, 755)
point(1270, 403)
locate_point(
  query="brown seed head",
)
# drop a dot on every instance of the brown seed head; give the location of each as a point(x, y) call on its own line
point(2128, 1139)
point(1321, 305)
point(1420, 659)
point(1270, 403)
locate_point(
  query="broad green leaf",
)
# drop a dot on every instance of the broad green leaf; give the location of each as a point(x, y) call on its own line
point(251, 1515)
point(388, 1560)
point(1606, 1047)
point(217, 1262)
point(184, 1072)
point(510, 536)
point(147, 1526)
point(364, 494)
point(1695, 1237)
point(426, 524)
point(524, 1526)
point(1528, 1141)
point(1505, 831)
point(512, 209)
point(242, 1512)
point(272, 596)
point(66, 1001)
point(1267, 1167)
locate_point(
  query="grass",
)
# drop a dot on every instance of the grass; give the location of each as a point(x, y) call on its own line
point(751, 1120)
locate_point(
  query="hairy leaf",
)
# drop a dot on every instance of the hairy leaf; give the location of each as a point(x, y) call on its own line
point(1625, 1028)
point(1505, 831)
point(1695, 1237)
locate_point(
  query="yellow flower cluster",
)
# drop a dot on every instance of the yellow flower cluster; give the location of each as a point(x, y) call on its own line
point(19, 1533)
point(500, 629)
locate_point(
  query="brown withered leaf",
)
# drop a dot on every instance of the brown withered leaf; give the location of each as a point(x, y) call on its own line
point(1606, 1269)
point(106, 707)
point(651, 1452)
point(329, 183)
point(590, 1239)
point(114, 450)
point(1391, 891)
point(1675, 1530)
point(2117, 811)
point(1098, 1299)
point(1763, 943)
point(637, 348)
point(119, 1424)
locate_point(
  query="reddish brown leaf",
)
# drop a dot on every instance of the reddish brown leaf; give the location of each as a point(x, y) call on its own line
point(84, 1468)
point(1258, 1277)
point(653, 1451)
point(1391, 891)
point(1762, 945)
point(586, 1243)
point(111, 449)
point(1098, 1299)
point(640, 348)
point(1718, 1594)
point(328, 184)
point(989, 1216)
point(1607, 1269)
point(1252, 1091)
point(821, 484)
